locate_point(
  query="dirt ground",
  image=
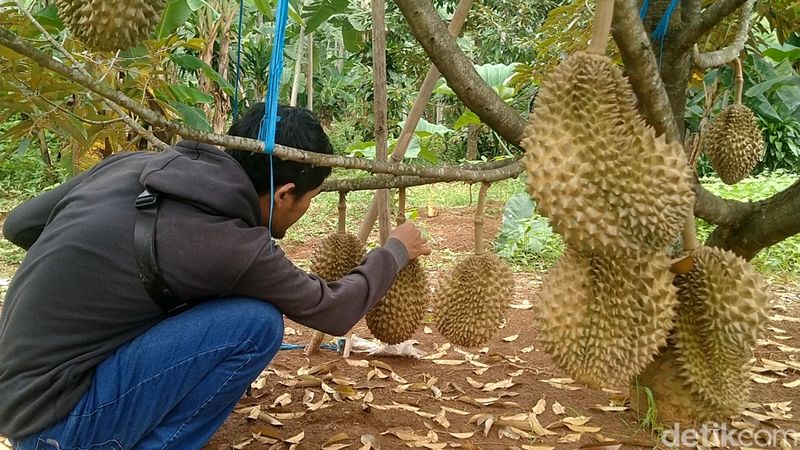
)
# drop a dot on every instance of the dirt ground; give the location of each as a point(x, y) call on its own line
point(507, 395)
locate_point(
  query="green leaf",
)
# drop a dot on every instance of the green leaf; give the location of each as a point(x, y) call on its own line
point(761, 88)
point(783, 52)
point(189, 95)
point(197, 4)
point(352, 39)
point(175, 14)
point(425, 128)
point(187, 61)
point(320, 11)
point(214, 75)
point(49, 18)
point(191, 116)
point(265, 8)
point(467, 118)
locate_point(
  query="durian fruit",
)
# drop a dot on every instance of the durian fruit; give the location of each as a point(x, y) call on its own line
point(395, 318)
point(734, 143)
point(400, 313)
point(603, 318)
point(723, 307)
point(474, 296)
point(336, 255)
point(110, 24)
point(596, 169)
point(674, 402)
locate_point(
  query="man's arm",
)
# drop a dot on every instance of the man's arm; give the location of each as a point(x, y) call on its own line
point(25, 223)
point(309, 300)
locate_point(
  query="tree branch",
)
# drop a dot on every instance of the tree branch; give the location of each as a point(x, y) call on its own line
point(642, 68)
point(719, 211)
point(728, 54)
point(442, 48)
point(708, 19)
point(13, 42)
point(769, 222)
point(392, 182)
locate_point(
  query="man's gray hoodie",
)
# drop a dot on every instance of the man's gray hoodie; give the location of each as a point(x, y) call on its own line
point(77, 295)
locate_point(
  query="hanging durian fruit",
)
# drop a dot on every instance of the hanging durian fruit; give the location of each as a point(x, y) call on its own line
point(733, 141)
point(110, 24)
point(596, 169)
point(399, 314)
point(723, 307)
point(473, 298)
point(337, 254)
point(602, 318)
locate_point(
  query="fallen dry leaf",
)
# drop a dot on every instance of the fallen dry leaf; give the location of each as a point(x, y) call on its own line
point(511, 338)
point(792, 384)
point(282, 400)
point(449, 362)
point(473, 383)
point(504, 384)
point(242, 444)
point(558, 409)
point(463, 435)
point(427, 330)
point(296, 438)
point(762, 379)
point(370, 442)
point(338, 437)
point(540, 406)
point(357, 362)
point(570, 438)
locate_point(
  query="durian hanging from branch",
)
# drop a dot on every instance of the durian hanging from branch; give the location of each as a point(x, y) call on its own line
point(339, 253)
point(734, 142)
point(595, 168)
point(399, 314)
point(474, 296)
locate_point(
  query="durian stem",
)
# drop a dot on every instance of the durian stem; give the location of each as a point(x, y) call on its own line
point(150, 137)
point(739, 79)
point(401, 207)
point(601, 27)
point(342, 212)
point(480, 247)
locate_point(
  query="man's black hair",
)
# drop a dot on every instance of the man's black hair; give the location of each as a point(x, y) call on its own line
point(296, 128)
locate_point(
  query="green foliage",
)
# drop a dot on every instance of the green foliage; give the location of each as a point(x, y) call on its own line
point(771, 90)
point(526, 236)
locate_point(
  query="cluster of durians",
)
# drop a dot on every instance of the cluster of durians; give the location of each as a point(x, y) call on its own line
point(610, 309)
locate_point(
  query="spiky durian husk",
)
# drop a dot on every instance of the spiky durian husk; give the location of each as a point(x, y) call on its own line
point(734, 143)
point(473, 298)
point(596, 169)
point(110, 24)
point(673, 401)
point(336, 255)
point(722, 309)
point(602, 319)
point(400, 313)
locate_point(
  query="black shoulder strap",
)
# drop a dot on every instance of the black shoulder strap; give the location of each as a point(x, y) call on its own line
point(144, 248)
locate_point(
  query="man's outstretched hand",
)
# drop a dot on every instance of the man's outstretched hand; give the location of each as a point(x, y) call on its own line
point(411, 237)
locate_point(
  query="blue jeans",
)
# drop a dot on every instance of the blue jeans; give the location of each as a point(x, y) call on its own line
point(174, 385)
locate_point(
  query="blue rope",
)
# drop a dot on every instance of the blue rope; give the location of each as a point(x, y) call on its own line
point(270, 120)
point(660, 33)
point(643, 11)
point(238, 63)
point(267, 132)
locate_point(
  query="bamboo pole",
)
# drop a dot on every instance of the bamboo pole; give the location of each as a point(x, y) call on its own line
point(341, 226)
point(401, 206)
point(601, 27)
point(310, 74)
point(480, 247)
point(410, 125)
point(298, 61)
point(381, 108)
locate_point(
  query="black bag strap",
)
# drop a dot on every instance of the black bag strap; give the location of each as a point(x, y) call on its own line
point(144, 248)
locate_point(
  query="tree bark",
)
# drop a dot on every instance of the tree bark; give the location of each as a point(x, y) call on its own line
point(428, 28)
point(221, 102)
point(473, 130)
point(381, 110)
point(769, 221)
